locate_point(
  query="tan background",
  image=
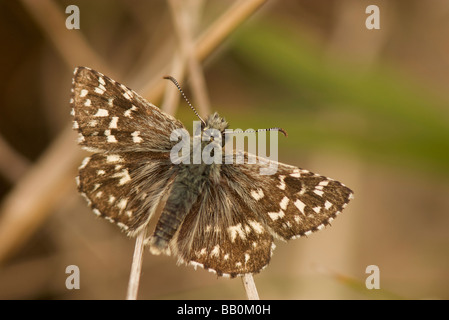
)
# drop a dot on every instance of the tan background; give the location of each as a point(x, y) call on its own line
point(366, 107)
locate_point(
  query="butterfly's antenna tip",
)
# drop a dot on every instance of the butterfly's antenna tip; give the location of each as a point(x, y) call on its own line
point(184, 96)
point(276, 129)
point(283, 131)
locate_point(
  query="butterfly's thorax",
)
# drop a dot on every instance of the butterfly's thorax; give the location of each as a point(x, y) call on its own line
point(188, 185)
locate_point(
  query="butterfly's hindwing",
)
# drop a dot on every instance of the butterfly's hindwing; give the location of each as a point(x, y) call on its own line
point(125, 188)
point(223, 235)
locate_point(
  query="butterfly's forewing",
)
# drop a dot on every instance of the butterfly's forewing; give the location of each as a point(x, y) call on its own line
point(110, 117)
point(125, 180)
point(295, 202)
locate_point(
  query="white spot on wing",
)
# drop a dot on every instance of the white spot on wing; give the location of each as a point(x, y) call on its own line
point(258, 228)
point(284, 203)
point(196, 264)
point(324, 183)
point(124, 177)
point(295, 174)
point(83, 93)
point(113, 123)
point(113, 158)
point(122, 204)
point(282, 183)
point(215, 251)
point(111, 138)
point(128, 112)
point(80, 138)
point(276, 215)
point(300, 205)
point(136, 138)
point(100, 89)
point(84, 163)
point(327, 205)
point(101, 113)
point(257, 194)
point(236, 230)
point(123, 226)
point(87, 103)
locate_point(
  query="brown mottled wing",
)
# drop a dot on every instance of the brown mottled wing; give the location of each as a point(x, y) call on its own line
point(230, 230)
point(110, 117)
point(125, 188)
point(223, 235)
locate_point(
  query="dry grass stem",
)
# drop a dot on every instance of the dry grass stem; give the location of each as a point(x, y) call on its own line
point(12, 164)
point(221, 28)
point(250, 287)
point(72, 46)
point(184, 22)
point(136, 267)
point(171, 94)
point(40, 189)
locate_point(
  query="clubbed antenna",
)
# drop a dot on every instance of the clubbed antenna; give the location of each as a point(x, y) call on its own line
point(184, 96)
point(262, 130)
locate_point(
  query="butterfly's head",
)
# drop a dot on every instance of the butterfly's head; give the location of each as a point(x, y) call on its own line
point(214, 121)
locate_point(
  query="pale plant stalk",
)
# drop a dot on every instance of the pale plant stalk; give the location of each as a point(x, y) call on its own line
point(250, 286)
point(136, 267)
point(185, 16)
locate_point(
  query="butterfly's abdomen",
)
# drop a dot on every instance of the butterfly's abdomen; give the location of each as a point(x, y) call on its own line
point(186, 188)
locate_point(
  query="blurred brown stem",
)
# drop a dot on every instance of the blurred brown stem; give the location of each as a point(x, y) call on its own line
point(12, 164)
point(184, 21)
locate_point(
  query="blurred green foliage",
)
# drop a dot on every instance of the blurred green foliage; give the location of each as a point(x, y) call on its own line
point(378, 114)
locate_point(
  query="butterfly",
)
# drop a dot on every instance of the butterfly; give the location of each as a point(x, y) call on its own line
point(221, 217)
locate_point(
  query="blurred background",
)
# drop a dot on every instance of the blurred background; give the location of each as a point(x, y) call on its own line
point(366, 107)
